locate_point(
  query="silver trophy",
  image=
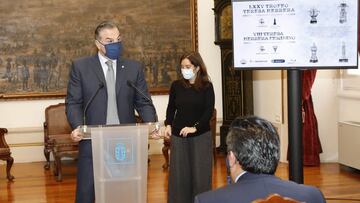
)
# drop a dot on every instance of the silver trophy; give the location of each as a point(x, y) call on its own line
point(343, 53)
point(313, 58)
point(262, 48)
point(261, 21)
point(275, 47)
point(342, 17)
point(313, 14)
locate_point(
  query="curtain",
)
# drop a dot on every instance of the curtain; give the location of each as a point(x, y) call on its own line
point(310, 136)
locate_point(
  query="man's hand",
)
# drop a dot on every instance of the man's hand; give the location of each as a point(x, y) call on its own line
point(156, 133)
point(186, 130)
point(76, 135)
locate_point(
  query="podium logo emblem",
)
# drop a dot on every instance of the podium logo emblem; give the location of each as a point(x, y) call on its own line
point(120, 152)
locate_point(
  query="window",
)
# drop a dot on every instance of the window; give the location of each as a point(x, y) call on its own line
point(350, 78)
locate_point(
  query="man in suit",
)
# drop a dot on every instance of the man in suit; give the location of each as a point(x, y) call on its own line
point(98, 93)
point(253, 155)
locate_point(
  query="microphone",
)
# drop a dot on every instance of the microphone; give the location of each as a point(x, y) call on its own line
point(101, 85)
point(131, 84)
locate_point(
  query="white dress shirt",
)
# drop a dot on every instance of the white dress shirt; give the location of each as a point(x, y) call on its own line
point(237, 178)
point(103, 61)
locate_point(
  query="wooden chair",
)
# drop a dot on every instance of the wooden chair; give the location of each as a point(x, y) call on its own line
point(275, 198)
point(5, 153)
point(57, 138)
point(166, 147)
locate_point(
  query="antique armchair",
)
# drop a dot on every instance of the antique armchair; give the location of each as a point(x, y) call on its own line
point(5, 153)
point(166, 147)
point(57, 138)
point(275, 198)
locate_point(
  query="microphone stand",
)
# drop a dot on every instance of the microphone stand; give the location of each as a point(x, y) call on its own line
point(83, 128)
point(131, 84)
point(157, 124)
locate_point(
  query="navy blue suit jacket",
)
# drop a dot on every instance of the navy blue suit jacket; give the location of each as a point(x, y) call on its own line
point(85, 78)
point(251, 187)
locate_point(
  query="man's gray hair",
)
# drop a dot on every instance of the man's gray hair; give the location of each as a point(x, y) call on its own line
point(255, 144)
point(104, 25)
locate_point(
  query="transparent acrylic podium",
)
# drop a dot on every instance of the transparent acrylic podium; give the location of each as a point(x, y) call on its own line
point(120, 155)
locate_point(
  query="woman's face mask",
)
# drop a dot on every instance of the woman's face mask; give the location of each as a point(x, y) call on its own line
point(187, 73)
point(188, 70)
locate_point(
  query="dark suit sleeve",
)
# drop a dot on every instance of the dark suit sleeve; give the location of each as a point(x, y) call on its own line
point(317, 195)
point(74, 98)
point(146, 111)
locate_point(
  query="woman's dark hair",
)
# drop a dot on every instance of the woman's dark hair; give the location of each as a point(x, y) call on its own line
point(202, 78)
point(255, 144)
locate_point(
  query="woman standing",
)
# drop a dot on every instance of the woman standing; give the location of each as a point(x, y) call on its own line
point(190, 107)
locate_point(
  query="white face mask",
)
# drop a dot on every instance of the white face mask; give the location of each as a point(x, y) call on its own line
point(187, 73)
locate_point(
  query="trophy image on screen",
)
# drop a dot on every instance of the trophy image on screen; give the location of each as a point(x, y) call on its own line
point(262, 48)
point(343, 53)
point(342, 17)
point(313, 58)
point(261, 21)
point(313, 14)
point(275, 48)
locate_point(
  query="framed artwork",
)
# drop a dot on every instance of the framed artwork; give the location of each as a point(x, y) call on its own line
point(40, 38)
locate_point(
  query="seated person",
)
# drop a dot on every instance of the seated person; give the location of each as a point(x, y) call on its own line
point(253, 154)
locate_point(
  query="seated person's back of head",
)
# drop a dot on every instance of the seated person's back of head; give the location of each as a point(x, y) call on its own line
point(253, 147)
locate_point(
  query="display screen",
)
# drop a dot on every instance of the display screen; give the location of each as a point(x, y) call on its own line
point(283, 34)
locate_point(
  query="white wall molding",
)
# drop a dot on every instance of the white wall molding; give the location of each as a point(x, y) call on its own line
point(349, 94)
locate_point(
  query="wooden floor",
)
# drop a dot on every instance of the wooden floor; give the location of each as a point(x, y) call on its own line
point(33, 184)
